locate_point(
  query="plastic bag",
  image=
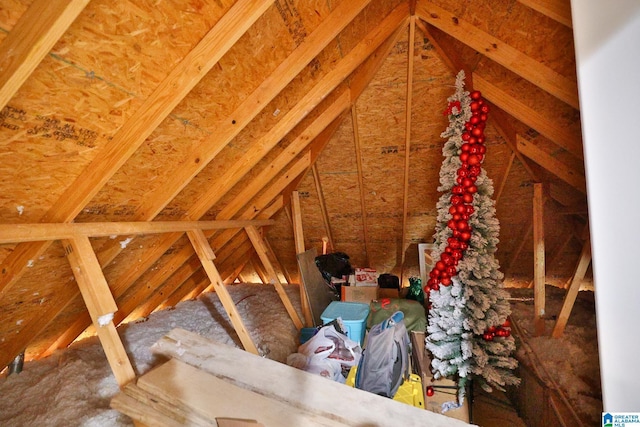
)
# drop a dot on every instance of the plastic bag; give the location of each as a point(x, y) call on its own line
point(328, 353)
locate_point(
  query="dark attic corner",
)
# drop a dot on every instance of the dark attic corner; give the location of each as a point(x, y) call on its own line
point(173, 171)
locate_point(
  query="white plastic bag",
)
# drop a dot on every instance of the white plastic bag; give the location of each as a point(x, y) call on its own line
point(326, 353)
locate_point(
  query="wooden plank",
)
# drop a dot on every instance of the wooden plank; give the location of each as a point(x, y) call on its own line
point(14, 233)
point(205, 253)
point(558, 10)
point(200, 394)
point(363, 206)
point(100, 304)
point(147, 410)
point(298, 238)
point(298, 235)
point(526, 67)
point(572, 292)
point(504, 128)
point(31, 39)
point(326, 221)
point(538, 259)
point(407, 141)
point(574, 178)
point(262, 252)
point(273, 84)
point(526, 231)
point(317, 290)
point(570, 141)
point(505, 176)
point(299, 389)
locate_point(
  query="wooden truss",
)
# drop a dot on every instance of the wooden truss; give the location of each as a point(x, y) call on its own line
point(95, 290)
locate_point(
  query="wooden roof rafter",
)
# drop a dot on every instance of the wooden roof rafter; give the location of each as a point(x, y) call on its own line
point(31, 39)
point(558, 10)
point(526, 67)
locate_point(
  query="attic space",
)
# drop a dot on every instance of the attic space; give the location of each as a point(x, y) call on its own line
point(157, 151)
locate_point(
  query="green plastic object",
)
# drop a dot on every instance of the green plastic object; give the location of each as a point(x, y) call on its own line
point(415, 318)
point(415, 292)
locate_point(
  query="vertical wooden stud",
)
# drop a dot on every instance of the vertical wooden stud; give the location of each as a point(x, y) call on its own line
point(299, 241)
point(538, 259)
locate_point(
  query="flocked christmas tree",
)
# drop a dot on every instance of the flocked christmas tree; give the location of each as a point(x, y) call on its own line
point(468, 331)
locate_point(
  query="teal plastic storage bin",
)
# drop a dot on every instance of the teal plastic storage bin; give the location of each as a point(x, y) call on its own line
point(353, 315)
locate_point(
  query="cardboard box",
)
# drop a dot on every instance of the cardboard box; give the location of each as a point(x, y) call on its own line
point(359, 293)
point(388, 293)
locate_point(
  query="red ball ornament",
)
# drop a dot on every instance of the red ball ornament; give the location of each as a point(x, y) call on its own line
point(475, 95)
point(484, 108)
point(453, 210)
point(456, 200)
point(458, 189)
point(474, 120)
point(507, 332)
point(435, 287)
point(465, 236)
point(474, 106)
point(483, 117)
point(433, 274)
point(452, 224)
point(461, 209)
point(466, 182)
point(468, 126)
point(475, 149)
point(481, 139)
point(467, 198)
point(476, 131)
point(464, 157)
point(440, 266)
point(432, 282)
point(445, 281)
point(507, 323)
point(452, 270)
point(464, 246)
point(474, 159)
point(463, 172)
point(472, 189)
point(482, 149)
point(487, 337)
point(430, 391)
point(466, 147)
point(457, 254)
point(466, 136)
point(462, 225)
point(474, 170)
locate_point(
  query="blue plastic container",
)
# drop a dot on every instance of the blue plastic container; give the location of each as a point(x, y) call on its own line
point(353, 315)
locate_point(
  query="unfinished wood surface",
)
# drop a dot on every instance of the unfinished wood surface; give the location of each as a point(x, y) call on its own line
point(407, 135)
point(318, 291)
point(35, 232)
point(261, 250)
point(358, 153)
point(206, 255)
point(33, 36)
point(558, 10)
point(298, 236)
point(198, 398)
point(297, 388)
point(323, 207)
point(538, 259)
point(521, 64)
point(253, 104)
point(574, 178)
point(572, 291)
point(100, 304)
point(562, 136)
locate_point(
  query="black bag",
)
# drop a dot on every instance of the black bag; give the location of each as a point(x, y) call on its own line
point(335, 264)
point(388, 281)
